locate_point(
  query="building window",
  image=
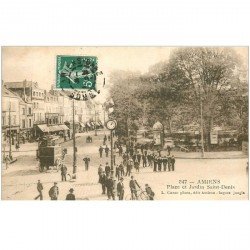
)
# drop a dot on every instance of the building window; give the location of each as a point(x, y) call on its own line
point(23, 111)
point(3, 120)
point(34, 93)
point(40, 94)
point(30, 123)
point(14, 119)
point(23, 123)
point(29, 111)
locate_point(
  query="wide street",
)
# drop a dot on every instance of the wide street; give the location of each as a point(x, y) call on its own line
point(19, 180)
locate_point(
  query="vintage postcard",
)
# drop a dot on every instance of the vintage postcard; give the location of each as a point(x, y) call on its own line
point(124, 123)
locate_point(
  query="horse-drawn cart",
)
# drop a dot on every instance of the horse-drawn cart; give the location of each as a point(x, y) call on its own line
point(49, 154)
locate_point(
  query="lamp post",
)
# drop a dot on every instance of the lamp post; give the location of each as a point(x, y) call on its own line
point(74, 139)
point(10, 152)
point(201, 121)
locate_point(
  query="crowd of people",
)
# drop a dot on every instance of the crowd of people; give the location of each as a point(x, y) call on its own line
point(132, 157)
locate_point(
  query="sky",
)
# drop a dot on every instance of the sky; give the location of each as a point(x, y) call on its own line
point(39, 63)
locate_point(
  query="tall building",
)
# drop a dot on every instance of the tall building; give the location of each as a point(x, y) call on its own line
point(17, 120)
point(29, 91)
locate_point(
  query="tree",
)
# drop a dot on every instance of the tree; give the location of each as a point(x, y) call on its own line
point(210, 74)
point(127, 109)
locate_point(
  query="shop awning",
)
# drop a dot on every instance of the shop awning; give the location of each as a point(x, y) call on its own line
point(44, 128)
point(100, 123)
point(64, 127)
point(92, 124)
point(88, 124)
point(54, 128)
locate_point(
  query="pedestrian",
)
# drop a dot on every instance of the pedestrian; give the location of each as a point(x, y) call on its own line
point(133, 184)
point(137, 165)
point(100, 151)
point(70, 196)
point(129, 167)
point(169, 163)
point(100, 170)
point(40, 190)
point(121, 167)
point(144, 160)
point(54, 192)
point(107, 151)
point(169, 150)
point(110, 184)
point(120, 150)
point(155, 160)
point(17, 146)
point(173, 162)
point(86, 162)
point(120, 189)
point(7, 161)
point(159, 162)
point(165, 162)
point(63, 172)
point(107, 169)
point(139, 156)
point(117, 172)
point(103, 179)
point(149, 158)
point(149, 192)
point(108, 137)
point(114, 156)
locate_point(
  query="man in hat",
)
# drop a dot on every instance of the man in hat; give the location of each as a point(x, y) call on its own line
point(40, 190)
point(173, 162)
point(133, 184)
point(120, 189)
point(54, 192)
point(70, 196)
point(86, 162)
point(100, 151)
point(110, 188)
point(103, 179)
point(107, 151)
point(107, 169)
point(63, 172)
point(100, 170)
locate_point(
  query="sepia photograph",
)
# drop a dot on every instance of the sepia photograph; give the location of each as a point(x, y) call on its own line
point(124, 123)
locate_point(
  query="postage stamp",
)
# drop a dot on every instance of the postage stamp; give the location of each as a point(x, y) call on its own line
point(76, 72)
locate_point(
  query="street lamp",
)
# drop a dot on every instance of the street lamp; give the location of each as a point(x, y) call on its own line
point(74, 139)
point(201, 121)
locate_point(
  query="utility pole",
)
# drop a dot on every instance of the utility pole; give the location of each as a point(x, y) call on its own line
point(111, 150)
point(74, 139)
point(10, 153)
point(202, 135)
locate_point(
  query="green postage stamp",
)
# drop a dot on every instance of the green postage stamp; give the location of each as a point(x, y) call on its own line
point(76, 72)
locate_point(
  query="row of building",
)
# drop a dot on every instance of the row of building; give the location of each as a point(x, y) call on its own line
point(29, 111)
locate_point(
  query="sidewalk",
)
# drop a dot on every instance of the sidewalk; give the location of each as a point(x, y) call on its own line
point(210, 155)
